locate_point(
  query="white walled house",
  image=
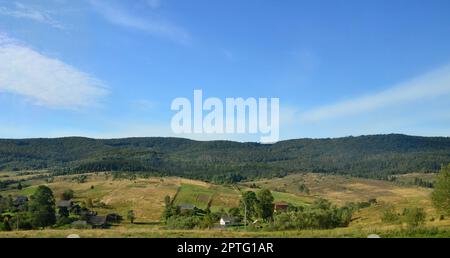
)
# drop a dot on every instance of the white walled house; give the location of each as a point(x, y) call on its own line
point(226, 221)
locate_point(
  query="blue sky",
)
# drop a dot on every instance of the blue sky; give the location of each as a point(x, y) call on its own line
point(107, 69)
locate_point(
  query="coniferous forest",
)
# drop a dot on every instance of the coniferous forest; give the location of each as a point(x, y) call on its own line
point(375, 156)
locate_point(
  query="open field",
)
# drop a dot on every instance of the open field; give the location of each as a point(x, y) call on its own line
point(408, 179)
point(146, 195)
point(153, 231)
point(341, 189)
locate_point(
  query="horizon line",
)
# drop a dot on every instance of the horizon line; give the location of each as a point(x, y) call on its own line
point(194, 140)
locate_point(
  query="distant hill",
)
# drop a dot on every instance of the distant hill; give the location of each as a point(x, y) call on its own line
point(374, 156)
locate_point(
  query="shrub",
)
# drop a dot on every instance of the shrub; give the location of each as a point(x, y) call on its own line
point(414, 216)
point(5, 226)
point(390, 215)
point(362, 205)
point(206, 222)
point(182, 222)
point(67, 195)
point(320, 215)
point(22, 220)
point(62, 220)
point(285, 221)
point(80, 225)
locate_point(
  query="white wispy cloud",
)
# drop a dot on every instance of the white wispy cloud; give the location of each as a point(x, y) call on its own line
point(154, 25)
point(428, 86)
point(23, 11)
point(44, 80)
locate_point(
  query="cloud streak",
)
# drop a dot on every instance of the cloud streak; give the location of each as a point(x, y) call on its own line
point(427, 86)
point(43, 80)
point(119, 16)
point(22, 11)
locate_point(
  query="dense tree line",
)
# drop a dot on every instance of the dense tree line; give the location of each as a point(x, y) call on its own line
point(228, 162)
point(320, 215)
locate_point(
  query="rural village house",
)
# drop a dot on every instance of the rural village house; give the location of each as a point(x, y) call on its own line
point(64, 204)
point(227, 221)
point(280, 206)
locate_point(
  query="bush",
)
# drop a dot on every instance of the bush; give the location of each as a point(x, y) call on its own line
point(362, 205)
point(182, 222)
point(373, 201)
point(67, 195)
point(5, 226)
point(80, 225)
point(62, 221)
point(23, 219)
point(114, 218)
point(390, 215)
point(206, 222)
point(320, 215)
point(414, 216)
point(285, 221)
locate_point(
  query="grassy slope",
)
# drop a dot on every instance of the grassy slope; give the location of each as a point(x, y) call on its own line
point(341, 190)
point(145, 196)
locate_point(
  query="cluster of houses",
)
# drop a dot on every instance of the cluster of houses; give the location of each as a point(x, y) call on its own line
point(17, 204)
point(87, 217)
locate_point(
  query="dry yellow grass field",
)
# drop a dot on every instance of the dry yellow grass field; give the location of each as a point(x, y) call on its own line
point(146, 196)
point(340, 189)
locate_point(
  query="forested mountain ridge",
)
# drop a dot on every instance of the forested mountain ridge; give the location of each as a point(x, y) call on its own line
point(375, 156)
